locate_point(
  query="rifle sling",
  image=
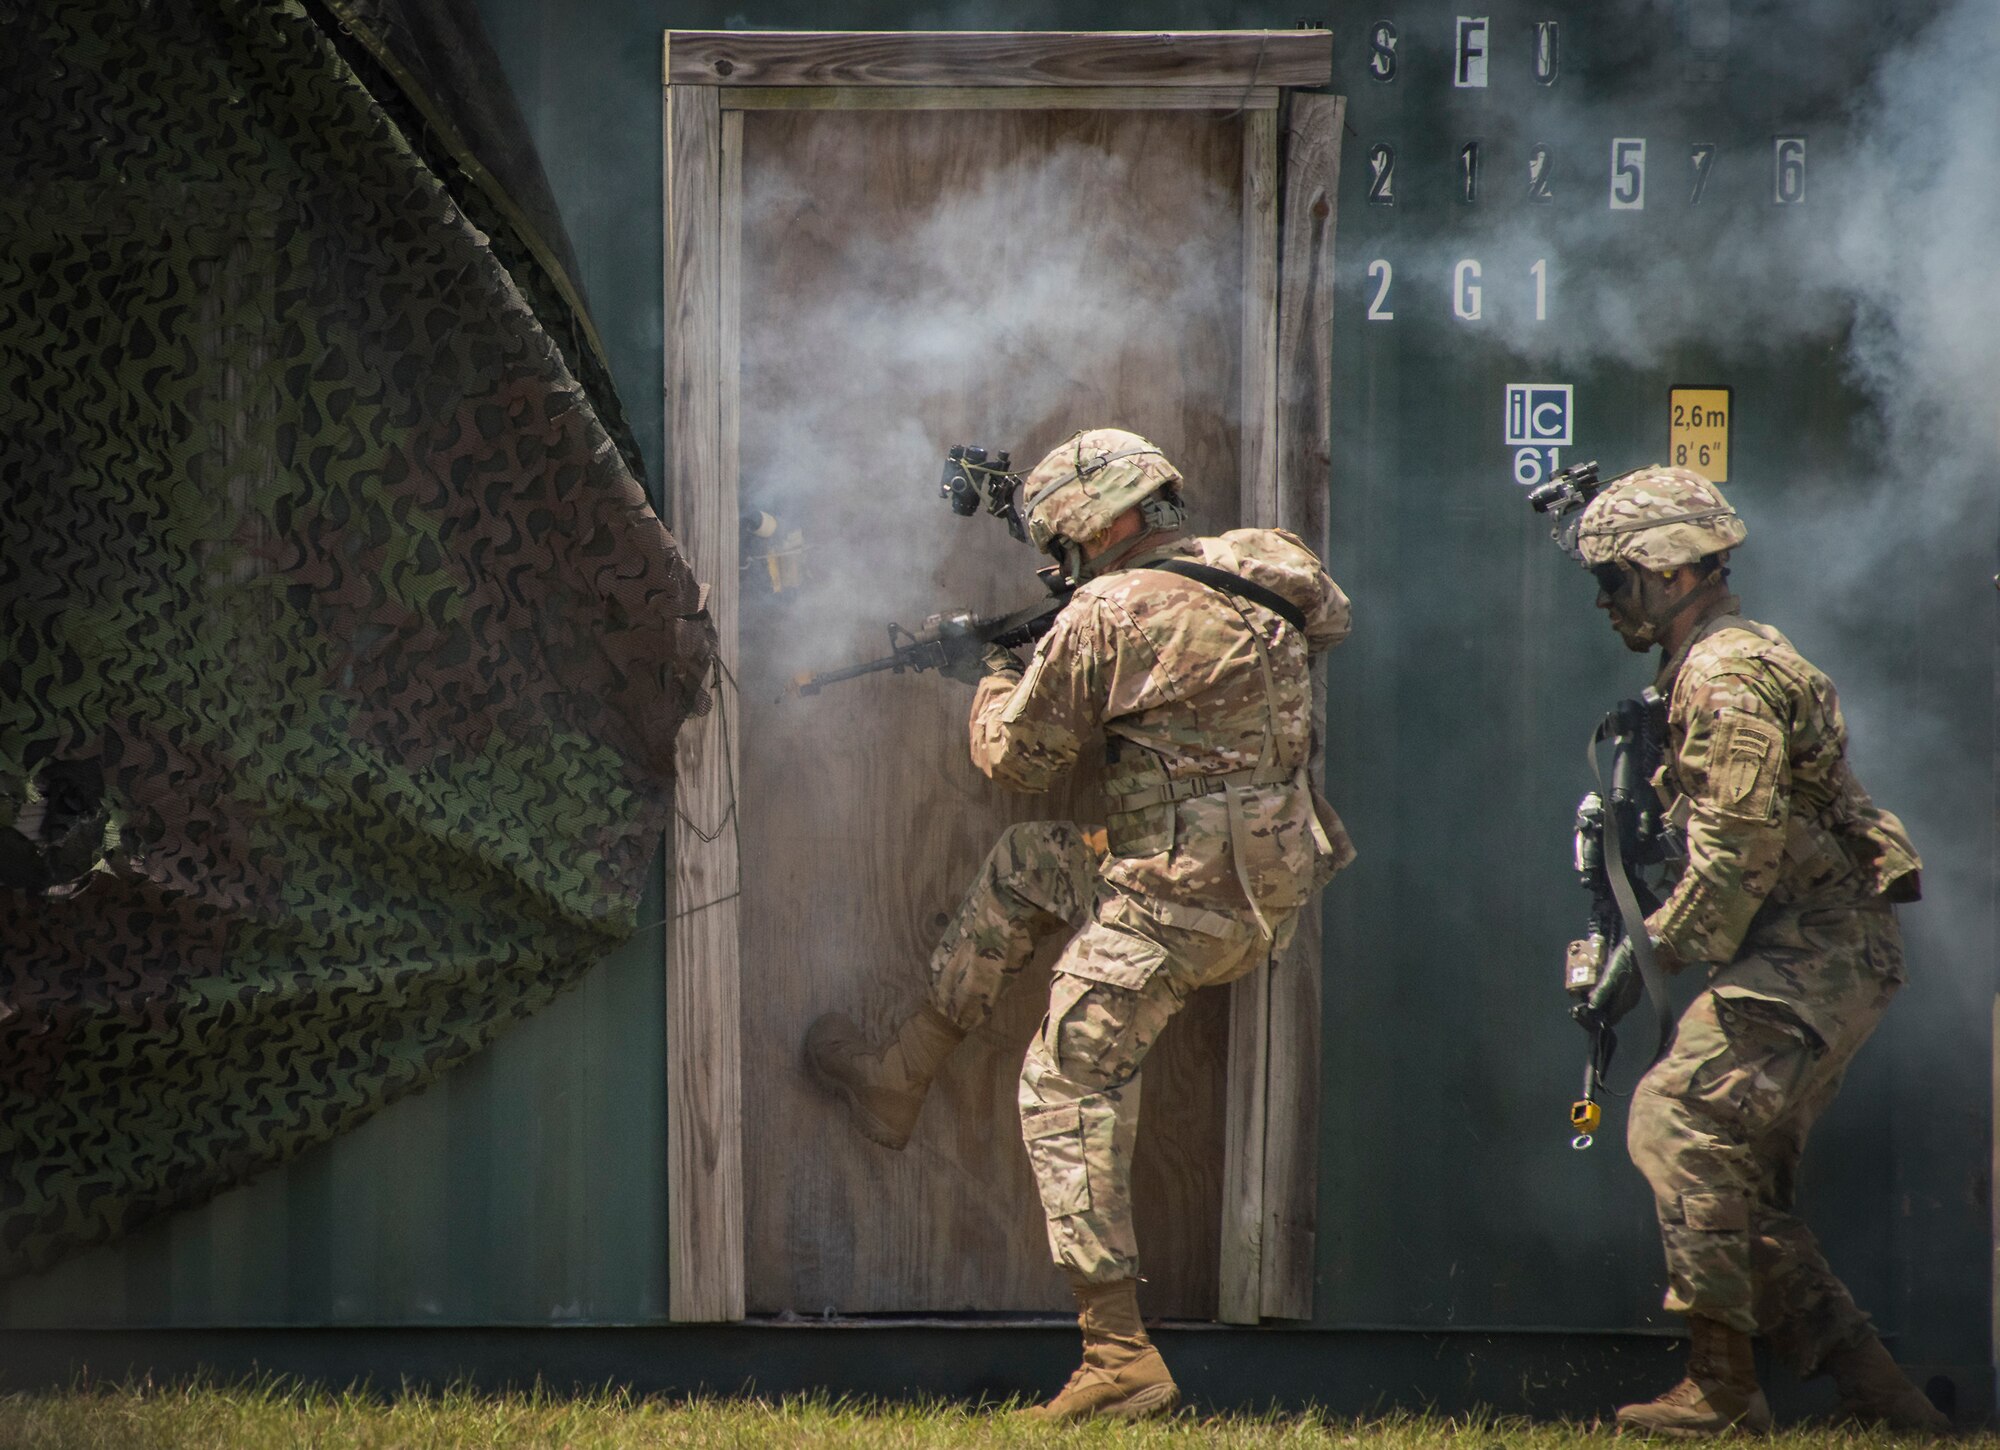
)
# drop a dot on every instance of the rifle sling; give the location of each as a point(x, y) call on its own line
point(1628, 901)
point(1225, 582)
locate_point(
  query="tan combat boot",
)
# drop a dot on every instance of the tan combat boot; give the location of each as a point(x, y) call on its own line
point(1874, 1391)
point(1719, 1395)
point(1122, 1376)
point(883, 1086)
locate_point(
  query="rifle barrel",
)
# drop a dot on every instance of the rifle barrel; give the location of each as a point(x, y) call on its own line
point(929, 650)
point(811, 684)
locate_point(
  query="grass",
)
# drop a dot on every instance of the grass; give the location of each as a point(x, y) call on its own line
point(279, 1414)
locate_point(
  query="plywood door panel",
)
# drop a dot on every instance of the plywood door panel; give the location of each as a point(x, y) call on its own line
point(908, 280)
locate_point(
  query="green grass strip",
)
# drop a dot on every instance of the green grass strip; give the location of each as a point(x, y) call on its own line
point(282, 1415)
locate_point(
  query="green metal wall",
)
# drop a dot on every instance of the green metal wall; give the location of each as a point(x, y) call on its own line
point(529, 1187)
point(1478, 665)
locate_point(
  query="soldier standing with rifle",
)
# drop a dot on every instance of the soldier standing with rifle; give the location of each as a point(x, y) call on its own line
point(1186, 661)
point(1788, 903)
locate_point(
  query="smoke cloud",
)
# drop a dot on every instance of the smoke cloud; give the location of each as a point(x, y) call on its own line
point(1004, 311)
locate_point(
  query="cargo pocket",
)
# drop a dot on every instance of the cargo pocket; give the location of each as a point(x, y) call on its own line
point(1761, 1072)
point(1054, 1136)
point(1110, 951)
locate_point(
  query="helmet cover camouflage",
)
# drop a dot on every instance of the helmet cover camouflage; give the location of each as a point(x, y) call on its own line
point(1658, 518)
point(1088, 480)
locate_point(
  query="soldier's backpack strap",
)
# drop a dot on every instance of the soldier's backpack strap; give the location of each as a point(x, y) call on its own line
point(1228, 583)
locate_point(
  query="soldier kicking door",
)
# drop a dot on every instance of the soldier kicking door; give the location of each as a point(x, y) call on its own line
point(878, 247)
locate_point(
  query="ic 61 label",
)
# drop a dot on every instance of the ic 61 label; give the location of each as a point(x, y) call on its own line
point(1698, 430)
point(1539, 424)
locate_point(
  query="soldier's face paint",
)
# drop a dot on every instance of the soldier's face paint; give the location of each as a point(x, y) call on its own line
point(1621, 593)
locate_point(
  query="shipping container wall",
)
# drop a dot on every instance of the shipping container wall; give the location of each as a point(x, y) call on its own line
point(1552, 215)
point(527, 1187)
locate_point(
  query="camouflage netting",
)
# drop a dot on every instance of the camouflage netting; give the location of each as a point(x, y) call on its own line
point(335, 626)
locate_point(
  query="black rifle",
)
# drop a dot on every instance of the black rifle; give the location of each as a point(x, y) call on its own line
point(1621, 834)
point(945, 639)
point(972, 480)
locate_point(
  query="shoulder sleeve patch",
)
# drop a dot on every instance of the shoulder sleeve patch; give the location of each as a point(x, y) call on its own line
point(1748, 758)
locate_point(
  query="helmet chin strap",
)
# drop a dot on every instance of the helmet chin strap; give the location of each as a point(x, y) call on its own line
point(1653, 629)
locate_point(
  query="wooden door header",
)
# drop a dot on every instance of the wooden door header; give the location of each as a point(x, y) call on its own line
point(1246, 58)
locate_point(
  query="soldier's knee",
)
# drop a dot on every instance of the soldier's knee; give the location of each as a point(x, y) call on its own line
point(1046, 863)
point(1025, 838)
point(1032, 841)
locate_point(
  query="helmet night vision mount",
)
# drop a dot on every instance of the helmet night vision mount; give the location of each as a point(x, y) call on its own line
point(973, 480)
point(1564, 498)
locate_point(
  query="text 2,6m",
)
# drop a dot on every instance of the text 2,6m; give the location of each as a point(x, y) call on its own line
point(1700, 417)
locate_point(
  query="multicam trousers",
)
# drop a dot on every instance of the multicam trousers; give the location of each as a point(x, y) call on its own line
point(1121, 978)
point(1719, 1124)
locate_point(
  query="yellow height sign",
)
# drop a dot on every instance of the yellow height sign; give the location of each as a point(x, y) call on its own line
point(1698, 430)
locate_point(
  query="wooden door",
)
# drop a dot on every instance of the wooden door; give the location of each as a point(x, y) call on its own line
point(894, 270)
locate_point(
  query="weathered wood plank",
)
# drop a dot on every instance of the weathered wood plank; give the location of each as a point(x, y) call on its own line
point(1258, 485)
point(1241, 1297)
point(1311, 136)
point(704, 1084)
point(1243, 58)
point(1000, 98)
point(1250, 1002)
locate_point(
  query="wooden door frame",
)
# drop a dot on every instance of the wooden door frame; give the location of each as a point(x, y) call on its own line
point(1291, 171)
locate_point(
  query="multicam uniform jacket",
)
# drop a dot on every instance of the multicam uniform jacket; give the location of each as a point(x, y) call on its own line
point(1757, 774)
point(1204, 702)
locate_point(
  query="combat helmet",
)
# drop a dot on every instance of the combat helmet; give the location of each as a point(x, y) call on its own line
point(1658, 518)
point(1088, 480)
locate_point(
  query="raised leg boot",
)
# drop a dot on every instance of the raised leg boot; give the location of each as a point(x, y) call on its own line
point(1874, 1391)
point(883, 1086)
point(1719, 1396)
point(1122, 1376)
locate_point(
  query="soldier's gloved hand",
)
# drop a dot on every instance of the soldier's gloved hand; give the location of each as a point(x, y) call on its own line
point(1617, 990)
point(970, 669)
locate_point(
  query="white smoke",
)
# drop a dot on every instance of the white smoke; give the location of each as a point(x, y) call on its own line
point(1003, 314)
